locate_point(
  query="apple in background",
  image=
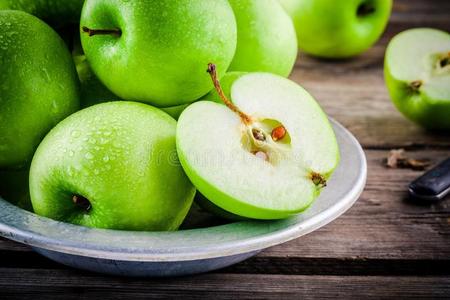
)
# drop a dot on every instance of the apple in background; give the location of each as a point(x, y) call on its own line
point(266, 155)
point(225, 82)
point(54, 12)
point(38, 85)
point(266, 39)
point(338, 29)
point(155, 51)
point(14, 188)
point(113, 165)
point(417, 73)
point(93, 91)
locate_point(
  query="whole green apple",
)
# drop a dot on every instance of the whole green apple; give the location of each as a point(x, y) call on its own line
point(56, 13)
point(338, 29)
point(266, 39)
point(156, 51)
point(38, 85)
point(112, 165)
point(417, 73)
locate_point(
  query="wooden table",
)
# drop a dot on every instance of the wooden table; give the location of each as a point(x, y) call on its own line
point(384, 246)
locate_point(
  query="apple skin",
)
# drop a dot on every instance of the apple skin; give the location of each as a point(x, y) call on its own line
point(429, 106)
point(38, 85)
point(57, 13)
point(161, 56)
point(121, 156)
point(330, 29)
point(264, 44)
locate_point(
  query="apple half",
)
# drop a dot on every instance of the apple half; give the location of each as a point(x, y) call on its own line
point(265, 155)
point(417, 73)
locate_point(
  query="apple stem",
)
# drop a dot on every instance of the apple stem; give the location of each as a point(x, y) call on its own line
point(92, 32)
point(81, 202)
point(244, 117)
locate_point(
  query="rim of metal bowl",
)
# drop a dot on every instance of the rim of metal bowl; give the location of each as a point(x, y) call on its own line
point(191, 244)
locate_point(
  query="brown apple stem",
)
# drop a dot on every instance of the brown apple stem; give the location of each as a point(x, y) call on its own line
point(81, 202)
point(244, 117)
point(92, 32)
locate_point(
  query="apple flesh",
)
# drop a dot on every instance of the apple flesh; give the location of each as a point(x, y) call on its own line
point(264, 44)
point(231, 154)
point(155, 51)
point(112, 165)
point(417, 73)
point(338, 29)
point(38, 85)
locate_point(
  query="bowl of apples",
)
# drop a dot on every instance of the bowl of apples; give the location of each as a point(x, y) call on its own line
point(139, 155)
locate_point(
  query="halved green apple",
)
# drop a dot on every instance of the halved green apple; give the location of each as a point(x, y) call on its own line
point(417, 72)
point(266, 155)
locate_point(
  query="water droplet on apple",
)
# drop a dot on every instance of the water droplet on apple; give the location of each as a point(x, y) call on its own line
point(106, 158)
point(75, 133)
point(89, 155)
point(71, 153)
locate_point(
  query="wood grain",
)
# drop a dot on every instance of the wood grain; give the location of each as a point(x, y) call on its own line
point(81, 285)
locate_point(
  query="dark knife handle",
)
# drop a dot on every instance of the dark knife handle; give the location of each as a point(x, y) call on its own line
point(434, 185)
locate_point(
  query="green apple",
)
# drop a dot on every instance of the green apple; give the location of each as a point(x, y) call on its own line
point(14, 188)
point(174, 111)
point(38, 85)
point(266, 39)
point(417, 73)
point(112, 165)
point(93, 91)
point(338, 29)
point(55, 12)
point(155, 51)
point(266, 155)
point(225, 82)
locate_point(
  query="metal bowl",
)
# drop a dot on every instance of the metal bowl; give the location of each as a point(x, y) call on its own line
point(187, 251)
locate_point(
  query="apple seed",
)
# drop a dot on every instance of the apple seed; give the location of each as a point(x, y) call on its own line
point(278, 133)
point(258, 134)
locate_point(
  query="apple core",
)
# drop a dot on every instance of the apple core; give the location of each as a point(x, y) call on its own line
point(267, 139)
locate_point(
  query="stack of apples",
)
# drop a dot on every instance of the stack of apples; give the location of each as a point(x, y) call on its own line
point(118, 125)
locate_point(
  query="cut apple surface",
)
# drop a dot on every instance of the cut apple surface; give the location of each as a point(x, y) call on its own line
point(417, 71)
point(267, 159)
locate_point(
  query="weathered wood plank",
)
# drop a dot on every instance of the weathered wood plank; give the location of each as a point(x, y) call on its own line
point(30, 283)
